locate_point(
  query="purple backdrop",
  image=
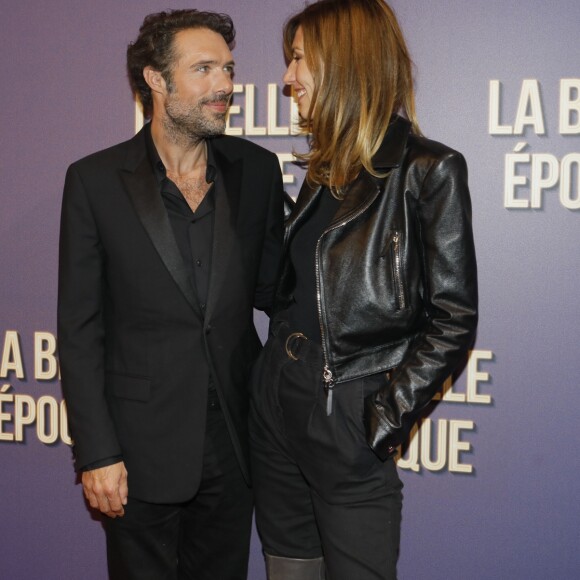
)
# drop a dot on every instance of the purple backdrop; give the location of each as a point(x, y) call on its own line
point(491, 479)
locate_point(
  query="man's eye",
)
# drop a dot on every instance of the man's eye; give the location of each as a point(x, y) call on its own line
point(202, 68)
point(229, 70)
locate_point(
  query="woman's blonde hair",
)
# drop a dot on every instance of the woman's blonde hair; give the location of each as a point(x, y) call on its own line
point(362, 74)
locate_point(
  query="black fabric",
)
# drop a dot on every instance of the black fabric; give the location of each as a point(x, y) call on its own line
point(302, 315)
point(193, 233)
point(205, 538)
point(319, 489)
point(135, 348)
point(398, 278)
point(193, 230)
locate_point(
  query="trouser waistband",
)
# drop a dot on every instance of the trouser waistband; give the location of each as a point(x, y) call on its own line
point(297, 345)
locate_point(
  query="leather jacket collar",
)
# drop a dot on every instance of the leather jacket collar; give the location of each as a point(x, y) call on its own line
point(388, 156)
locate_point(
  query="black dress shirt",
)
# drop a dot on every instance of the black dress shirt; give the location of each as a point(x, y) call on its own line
point(193, 230)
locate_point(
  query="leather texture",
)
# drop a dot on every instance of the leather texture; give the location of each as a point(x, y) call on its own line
point(278, 568)
point(397, 278)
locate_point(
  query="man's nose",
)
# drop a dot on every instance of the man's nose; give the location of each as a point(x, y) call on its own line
point(224, 83)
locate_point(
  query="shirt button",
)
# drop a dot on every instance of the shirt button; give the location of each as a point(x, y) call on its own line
point(198, 262)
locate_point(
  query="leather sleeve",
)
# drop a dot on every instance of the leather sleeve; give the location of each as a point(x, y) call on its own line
point(450, 302)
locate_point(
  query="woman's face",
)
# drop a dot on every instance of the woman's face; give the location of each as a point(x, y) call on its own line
point(298, 75)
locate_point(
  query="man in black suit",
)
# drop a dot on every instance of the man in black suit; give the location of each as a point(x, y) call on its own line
point(168, 241)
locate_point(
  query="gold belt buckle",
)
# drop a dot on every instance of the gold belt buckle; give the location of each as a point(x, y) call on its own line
point(290, 341)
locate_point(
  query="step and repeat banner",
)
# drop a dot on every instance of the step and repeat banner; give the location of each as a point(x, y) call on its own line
point(492, 471)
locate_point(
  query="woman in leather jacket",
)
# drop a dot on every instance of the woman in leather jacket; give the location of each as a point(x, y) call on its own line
point(376, 304)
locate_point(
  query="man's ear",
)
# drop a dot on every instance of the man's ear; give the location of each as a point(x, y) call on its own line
point(155, 80)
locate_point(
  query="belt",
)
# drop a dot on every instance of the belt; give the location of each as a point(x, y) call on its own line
point(292, 344)
point(298, 347)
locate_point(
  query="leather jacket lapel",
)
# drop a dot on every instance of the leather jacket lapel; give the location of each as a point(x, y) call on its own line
point(365, 188)
point(359, 195)
point(143, 190)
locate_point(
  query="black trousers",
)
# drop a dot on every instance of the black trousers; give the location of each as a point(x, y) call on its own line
point(319, 489)
point(206, 538)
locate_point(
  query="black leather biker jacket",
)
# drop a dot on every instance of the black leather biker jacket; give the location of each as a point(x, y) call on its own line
point(396, 278)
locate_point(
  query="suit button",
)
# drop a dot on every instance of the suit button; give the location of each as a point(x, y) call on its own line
point(208, 329)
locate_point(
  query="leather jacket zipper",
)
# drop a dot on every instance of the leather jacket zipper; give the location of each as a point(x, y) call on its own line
point(327, 374)
point(397, 267)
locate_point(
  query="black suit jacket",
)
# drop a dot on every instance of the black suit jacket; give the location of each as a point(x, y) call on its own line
point(136, 352)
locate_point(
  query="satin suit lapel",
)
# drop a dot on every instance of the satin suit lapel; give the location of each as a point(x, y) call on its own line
point(142, 188)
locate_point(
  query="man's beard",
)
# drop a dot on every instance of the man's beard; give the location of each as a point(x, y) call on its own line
point(193, 123)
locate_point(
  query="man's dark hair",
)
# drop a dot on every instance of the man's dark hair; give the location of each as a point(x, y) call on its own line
point(154, 46)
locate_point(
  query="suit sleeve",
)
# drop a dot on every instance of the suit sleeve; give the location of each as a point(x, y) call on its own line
point(81, 327)
point(450, 300)
point(272, 247)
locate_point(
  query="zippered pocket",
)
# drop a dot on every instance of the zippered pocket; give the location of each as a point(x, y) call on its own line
point(397, 262)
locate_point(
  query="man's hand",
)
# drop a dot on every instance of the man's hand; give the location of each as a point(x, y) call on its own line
point(106, 489)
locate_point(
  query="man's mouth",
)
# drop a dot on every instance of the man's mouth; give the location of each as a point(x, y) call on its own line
point(219, 104)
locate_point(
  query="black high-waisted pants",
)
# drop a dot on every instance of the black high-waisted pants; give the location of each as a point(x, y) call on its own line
point(319, 488)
